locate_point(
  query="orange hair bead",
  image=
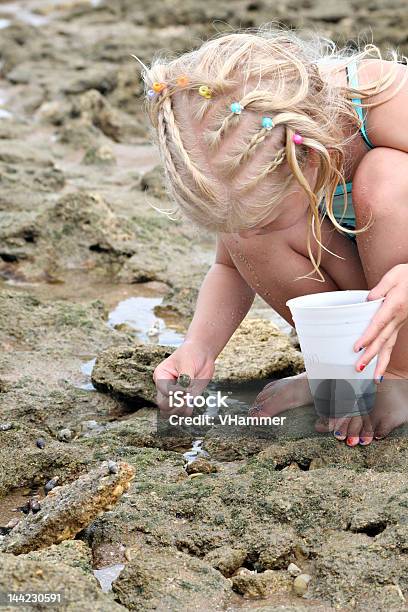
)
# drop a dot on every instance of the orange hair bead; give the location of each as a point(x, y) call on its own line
point(158, 87)
point(182, 81)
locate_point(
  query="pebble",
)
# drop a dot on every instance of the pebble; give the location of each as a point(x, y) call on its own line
point(40, 443)
point(6, 426)
point(64, 435)
point(184, 380)
point(34, 506)
point(294, 570)
point(51, 484)
point(301, 583)
point(11, 524)
point(113, 467)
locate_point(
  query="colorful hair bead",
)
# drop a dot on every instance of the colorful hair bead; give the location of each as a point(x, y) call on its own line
point(297, 139)
point(267, 123)
point(205, 91)
point(182, 81)
point(236, 108)
point(151, 94)
point(158, 87)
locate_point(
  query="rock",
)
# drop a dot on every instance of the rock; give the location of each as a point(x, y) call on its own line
point(102, 155)
point(166, 579)
point(64, 514)
point(153, 182)
point(23, 463)
point(179, 301)
point(80, 593)
point(6, 426)
point(294, 570)
point(317, 463)
point(257, 350)
point(301, 584)
point(226, 559)
point(252, 585)
point(127, 372)
point(74, 553)
point(64, 435)
point(200, 466)
point(40, 443)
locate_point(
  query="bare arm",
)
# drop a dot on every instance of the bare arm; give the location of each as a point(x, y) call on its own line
point(223, 301)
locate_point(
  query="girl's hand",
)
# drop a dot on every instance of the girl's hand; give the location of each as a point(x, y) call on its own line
point(381, 335)
point(190, 359)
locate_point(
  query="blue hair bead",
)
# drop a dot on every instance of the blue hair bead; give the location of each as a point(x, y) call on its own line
point(151, 94)
point(267, 123)
point(236, 108)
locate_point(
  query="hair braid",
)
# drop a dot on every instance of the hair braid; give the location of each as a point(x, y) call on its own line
point(172, 173)
point(199, 178)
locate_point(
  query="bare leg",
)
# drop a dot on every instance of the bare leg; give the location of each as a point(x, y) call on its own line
point(270, 264)
point(380, 186)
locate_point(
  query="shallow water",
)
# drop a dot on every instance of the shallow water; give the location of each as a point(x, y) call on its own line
point(138, 313)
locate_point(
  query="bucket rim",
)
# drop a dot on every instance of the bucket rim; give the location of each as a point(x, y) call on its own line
point(334, 306)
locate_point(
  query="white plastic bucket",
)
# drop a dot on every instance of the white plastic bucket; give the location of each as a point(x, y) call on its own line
point(328, 324)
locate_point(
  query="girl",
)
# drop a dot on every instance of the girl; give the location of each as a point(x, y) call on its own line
point(264, 141)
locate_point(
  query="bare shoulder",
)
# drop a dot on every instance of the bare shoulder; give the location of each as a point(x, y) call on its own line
point(387, 122)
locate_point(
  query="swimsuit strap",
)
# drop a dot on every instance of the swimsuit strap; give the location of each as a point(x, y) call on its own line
point(340, 190)
point(352, 79)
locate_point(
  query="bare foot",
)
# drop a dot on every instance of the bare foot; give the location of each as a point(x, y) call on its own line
point(390, 411)
point(283, 394)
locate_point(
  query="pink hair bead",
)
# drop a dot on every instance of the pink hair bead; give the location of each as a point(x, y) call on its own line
point(297, 139)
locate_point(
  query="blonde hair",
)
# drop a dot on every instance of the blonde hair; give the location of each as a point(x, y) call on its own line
point(211, 186)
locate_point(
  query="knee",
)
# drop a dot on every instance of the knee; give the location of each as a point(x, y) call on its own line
point(377, 183)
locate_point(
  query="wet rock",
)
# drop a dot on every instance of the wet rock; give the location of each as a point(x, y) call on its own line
point(75, 505)
point(178, 301)
point(23, 463)
point(257, 350)
point(80, 592)
point(168, 579)
point(127, 372)
point(226, 559)
point(200, 466)
point(252, 585)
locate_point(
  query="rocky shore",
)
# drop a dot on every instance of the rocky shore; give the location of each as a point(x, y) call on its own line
point(92, 495)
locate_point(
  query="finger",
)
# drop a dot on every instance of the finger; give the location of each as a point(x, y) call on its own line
point(384, 357)
point(388, 281)
point(392, 309)
point(375, 347)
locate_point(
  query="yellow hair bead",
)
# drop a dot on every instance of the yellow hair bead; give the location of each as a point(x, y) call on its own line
point(158, 87)
point(205, 91)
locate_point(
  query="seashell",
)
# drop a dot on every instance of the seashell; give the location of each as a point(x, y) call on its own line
point(301, 583)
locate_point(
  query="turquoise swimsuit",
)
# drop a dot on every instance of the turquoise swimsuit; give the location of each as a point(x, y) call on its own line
point(349, 219)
